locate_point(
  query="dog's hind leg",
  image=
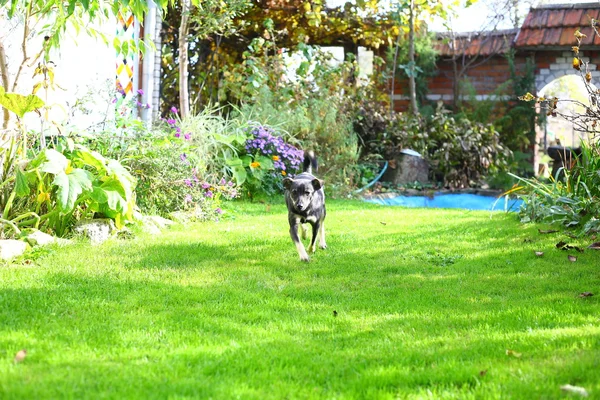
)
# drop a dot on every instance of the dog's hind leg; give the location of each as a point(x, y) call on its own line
point(322, 243)
point(297, 242)
point(316, 228)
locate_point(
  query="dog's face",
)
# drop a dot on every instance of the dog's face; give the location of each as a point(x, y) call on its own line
point(301, 191)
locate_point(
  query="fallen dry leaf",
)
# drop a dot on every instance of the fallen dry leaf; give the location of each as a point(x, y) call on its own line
point(20, 356)
point(539, 253)
point(586, 294)
point(572, 258)
point(482, 373)
point(575, 389)
point(513, 353)
point(594, 246)
point(542, 232)
point(383, 223)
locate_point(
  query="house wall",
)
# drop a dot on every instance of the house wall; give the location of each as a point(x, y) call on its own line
point(485, 80)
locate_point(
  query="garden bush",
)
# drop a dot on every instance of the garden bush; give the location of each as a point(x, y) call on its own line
point(573, 201)
point(460, 152)
point(179, 164)
point(308, 102)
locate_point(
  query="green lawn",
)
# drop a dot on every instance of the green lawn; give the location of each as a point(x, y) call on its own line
point(428, 302)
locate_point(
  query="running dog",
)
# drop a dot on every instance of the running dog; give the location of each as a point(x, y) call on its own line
point(305, 201)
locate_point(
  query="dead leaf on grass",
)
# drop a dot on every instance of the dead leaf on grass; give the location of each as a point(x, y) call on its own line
point(513, 353)
point(542, 232)
point(539, 253)
point(482, 373)
point(20, 356)
point(594, 246)
point(575, 389)
point(564, 246)
point(586, 294)
point(383, 223)
point(561, 245)
point(572, 258)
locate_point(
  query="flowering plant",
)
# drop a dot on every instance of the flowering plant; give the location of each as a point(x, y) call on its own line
point(267, 159)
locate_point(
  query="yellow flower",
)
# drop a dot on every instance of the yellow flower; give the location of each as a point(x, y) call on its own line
point(275, 158)
point(576, 63)
point(283, 173)
point(255, 164)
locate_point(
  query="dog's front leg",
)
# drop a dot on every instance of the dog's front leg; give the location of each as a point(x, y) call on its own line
point(299, 246)
point(316, 228)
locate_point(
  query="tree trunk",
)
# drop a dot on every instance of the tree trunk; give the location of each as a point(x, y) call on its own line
point(5, 82)
point(411, 60)
point(184, 95)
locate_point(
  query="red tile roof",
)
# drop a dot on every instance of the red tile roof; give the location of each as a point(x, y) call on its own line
point(476, 43)
point(554, 25)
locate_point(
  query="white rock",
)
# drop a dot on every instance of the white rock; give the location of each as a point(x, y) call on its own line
point(159, 221)
point(98, 230)
point(12, 248)
point(39, 238)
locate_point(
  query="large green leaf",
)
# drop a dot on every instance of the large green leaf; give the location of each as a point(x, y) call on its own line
point(21, 185)
point(239, 174)
point(18, 103)
point(70, 186)
point(91, 158)
point(120, 173)
point(55, 162)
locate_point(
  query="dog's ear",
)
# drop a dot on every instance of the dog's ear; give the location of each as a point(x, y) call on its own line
point(317, 184)
point(287, 183)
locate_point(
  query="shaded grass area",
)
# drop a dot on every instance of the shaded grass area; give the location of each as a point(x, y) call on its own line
point(428, 302)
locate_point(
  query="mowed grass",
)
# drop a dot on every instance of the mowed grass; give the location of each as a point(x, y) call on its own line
point(428, 302)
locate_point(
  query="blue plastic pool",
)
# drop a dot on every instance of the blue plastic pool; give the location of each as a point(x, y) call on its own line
point(462, 200)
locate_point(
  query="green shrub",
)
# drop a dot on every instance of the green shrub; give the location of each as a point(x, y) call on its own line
point(573, 202)
point(180, 164)
point(310, 107)
point(460, 152)
point(65, 185)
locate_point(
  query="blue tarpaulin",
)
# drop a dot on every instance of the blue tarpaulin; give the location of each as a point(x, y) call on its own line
point(462, 200)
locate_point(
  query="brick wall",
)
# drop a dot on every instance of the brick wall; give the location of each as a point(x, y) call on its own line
point(485, 79)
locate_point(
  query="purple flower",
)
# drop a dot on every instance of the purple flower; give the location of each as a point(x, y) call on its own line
point(187, 182)
point(183, 157)
point(209, 194)
point(171, 121)
point(188, 198)
point(219, 211)
point(230, 183)
point(174, 110)
point(222, 182)
point(187, 136)
point(114, 100)
point(177, 135)
point(178, 129)
point(205, 185)
point(148, 106)
point(140, 92)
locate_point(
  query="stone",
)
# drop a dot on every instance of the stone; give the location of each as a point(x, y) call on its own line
point(160, 221)
point(407, 168)
point(150, 227)
point(39, 238)
point(98, 230)
point(12, 248)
